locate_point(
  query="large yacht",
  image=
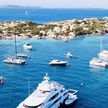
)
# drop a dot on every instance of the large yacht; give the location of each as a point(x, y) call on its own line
point(98, 62)
point(49, 94)
point(58, 62)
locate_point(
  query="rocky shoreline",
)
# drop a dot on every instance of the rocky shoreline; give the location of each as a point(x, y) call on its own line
point(63, 30)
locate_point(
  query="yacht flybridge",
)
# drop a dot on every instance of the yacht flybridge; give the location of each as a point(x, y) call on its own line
point(49, 94)
point(58, 62)
point(98, 62)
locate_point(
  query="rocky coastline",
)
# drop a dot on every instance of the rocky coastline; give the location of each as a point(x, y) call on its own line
point(63, 30)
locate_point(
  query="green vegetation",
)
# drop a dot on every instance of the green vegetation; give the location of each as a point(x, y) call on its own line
point(57, 29)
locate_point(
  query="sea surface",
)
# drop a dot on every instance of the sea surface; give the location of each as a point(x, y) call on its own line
point(94, 92)
point(49, 15)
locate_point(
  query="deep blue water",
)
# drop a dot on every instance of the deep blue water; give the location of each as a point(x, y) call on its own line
point(94, 93)
point(49, 15)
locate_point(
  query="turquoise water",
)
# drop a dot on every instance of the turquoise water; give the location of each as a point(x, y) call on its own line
point(94, 93)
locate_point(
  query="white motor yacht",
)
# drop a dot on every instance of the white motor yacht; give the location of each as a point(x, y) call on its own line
point(49, 94)
point(58, 62)
point(27, 46)
point(23, 55)
point(69, 55)
point(98, 62)
point(14, 60)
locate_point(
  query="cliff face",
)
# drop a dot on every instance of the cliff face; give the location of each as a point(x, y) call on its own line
point(59, 30)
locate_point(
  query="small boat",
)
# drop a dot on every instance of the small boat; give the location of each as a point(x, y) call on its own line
point(23, 55)
point(14, 60)
point(66, 40)
point(98, 62)
point(58, 62)
point(70, 99)
point(27, 46)
point(69, 55)
point(1, 80)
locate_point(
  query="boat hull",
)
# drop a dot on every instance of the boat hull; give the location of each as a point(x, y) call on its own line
point(97, 64)
point(23, 56)
point(54, 64)
point(27, 47)
point(16, 63)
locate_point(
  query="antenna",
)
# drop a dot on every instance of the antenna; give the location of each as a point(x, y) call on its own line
point(46, 78)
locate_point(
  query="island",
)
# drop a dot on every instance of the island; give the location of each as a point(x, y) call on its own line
point(63, 30)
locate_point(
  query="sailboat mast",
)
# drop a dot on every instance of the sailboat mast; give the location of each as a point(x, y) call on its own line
point(15, 47)
point(101, 45)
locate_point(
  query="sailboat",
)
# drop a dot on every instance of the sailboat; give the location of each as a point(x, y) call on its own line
point(69, 55)
point(103, 53)
point(101, 61)
point(26, 13)
point(15, 59)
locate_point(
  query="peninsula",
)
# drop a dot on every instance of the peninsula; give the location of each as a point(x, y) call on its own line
point(67, 29)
